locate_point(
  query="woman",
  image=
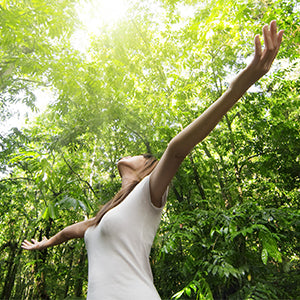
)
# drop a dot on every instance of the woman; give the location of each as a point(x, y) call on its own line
point(119, 238)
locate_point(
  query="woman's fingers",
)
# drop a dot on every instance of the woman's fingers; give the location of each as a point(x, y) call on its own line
point(273, 32)
point(257, 45)
point(279, 38)
point(272, 39)
point(26, 244)
point(267, 38)
point(276, 37)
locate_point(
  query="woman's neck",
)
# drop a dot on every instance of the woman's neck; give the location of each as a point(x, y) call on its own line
point(128, 180)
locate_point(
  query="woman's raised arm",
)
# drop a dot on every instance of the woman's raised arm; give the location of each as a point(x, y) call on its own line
point(187, 139)
point(76, 230)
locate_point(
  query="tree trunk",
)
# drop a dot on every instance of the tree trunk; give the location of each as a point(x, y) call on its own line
point(42, 257)
point(68, 279)
point(236, 167)
point(197, 178)
point(79, 279)
point(225, 193)
point(11, 270)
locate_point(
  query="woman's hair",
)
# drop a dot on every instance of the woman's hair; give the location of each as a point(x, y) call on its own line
point(149, 166)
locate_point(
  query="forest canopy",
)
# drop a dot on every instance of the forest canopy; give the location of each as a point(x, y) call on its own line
point(231, 226)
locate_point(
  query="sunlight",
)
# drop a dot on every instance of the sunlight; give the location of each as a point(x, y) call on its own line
point(94, 15)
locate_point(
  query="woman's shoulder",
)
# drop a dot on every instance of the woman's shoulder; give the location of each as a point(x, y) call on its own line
point(143, 188)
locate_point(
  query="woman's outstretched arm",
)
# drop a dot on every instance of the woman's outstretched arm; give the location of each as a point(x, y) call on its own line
point(186, 140)
point(76, 230)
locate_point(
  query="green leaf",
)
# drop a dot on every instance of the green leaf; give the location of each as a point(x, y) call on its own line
point(46, 214)
point(52, 210)
point(178, 294)
point(188, 291)
point(264, 256)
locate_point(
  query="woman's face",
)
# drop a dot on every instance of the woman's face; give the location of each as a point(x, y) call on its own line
point(131, 163)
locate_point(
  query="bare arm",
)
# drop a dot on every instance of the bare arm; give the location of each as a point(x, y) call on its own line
point(76, 230)
point(186, 140)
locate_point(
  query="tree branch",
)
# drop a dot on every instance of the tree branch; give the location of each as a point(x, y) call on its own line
point(79, 177)
point(16, 178)
point(147, 144)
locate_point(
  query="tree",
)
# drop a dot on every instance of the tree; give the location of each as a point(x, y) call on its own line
point(34, 38)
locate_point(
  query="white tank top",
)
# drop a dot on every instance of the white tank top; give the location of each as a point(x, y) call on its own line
point(119, 247)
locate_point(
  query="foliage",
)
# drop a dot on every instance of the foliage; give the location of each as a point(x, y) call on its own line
point(34, 39)
point(230, 229)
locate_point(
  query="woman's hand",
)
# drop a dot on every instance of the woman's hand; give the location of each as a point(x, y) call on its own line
point(35, 245)
point(262, 60)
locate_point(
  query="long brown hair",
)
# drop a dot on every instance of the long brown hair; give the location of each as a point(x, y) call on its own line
point(149, 166)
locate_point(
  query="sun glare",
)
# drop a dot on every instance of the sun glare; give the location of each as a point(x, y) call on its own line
point(94, 14)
